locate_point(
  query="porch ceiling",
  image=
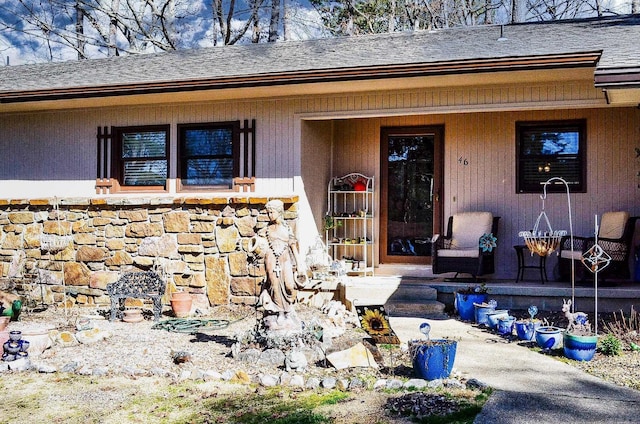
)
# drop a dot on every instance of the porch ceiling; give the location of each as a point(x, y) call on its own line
point(477, 78)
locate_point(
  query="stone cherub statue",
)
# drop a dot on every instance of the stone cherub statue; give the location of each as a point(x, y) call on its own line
point(285, 271)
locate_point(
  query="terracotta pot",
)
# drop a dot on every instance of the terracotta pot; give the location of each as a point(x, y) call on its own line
point(133, 315)
point(4, 321)
point(181, 304)
point(4, 336)
point(181, 296)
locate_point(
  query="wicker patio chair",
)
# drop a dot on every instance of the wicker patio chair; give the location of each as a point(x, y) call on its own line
point(468, 246)
point(614, 237)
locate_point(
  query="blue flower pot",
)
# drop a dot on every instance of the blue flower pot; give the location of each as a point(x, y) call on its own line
point(526, 330)
point(505, 325)
point(464, 304)
point(481, 313)
point(433, 359)
point(493, 317)
point(549, 337)
point(579, 348)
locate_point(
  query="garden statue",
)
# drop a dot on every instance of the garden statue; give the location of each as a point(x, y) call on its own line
point(577, 320)
point(285, 271)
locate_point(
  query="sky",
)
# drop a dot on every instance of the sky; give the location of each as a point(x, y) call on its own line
point(17, 48)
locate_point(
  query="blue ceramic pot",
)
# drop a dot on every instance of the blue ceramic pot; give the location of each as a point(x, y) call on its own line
point(505, 325)
point(579, 348)
point(464, 304)
point(526, 330)
point(549, 337)
point(493, 317)
point(433, 359)
point(481, 312)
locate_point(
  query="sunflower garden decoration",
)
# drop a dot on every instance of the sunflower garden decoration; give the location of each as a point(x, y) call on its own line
point(375, 322)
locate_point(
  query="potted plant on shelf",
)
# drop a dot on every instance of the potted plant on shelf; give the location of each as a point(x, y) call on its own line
point(330, 223)
point(466, 297)
point(526, 328)
point(432, 358)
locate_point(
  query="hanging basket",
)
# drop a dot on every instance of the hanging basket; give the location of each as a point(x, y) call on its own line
point(54, 242)
point(540, 242)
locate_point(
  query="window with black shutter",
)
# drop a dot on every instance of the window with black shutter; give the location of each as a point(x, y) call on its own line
point(551, 149)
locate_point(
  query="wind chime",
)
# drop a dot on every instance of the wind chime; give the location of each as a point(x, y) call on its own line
point(595, 259)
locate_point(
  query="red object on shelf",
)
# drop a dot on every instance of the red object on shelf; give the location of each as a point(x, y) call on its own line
point(359, 186)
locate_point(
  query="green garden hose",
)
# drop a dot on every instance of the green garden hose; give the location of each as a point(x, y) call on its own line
point(191, 326)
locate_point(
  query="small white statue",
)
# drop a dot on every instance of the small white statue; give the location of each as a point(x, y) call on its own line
point(577, 320)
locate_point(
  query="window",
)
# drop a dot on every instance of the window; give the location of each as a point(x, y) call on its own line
point(551, 149)
point(209, 155)
point(142, 156)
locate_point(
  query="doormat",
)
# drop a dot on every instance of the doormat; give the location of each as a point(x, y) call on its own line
point(375, 322)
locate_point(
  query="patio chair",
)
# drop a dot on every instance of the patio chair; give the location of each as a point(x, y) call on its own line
point(468, 246)
point(614, 237)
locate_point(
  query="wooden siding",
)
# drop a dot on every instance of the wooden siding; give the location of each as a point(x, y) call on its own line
point(302, 141)
point(486, 141)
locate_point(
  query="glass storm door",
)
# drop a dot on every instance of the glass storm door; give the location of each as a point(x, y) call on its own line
point(411, 188)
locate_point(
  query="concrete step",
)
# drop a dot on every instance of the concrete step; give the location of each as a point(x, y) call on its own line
point(383, 289)
point(425, 309)
point(402, 297)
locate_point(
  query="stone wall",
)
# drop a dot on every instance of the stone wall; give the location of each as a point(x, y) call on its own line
point(198, 245)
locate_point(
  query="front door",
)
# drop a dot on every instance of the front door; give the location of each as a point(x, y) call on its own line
point(411, 188)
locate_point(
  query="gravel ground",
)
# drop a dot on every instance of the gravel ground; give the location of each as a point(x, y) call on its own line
point(139, 350)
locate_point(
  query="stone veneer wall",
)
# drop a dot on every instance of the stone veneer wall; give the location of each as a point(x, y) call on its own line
point(198, 245)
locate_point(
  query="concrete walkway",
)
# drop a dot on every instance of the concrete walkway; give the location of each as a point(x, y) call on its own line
point(529, 386)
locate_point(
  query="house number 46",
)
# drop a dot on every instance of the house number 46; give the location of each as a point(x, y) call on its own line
point(463, 161)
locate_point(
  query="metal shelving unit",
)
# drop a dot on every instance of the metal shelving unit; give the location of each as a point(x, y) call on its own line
point(350, 211)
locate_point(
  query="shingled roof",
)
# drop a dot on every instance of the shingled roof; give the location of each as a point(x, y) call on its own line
point(608, 44)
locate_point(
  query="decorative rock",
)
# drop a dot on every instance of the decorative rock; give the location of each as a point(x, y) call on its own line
point(227, 375)
point(211, 375)
point(356, 384)
point(160, 372)
point(297, 381)
point(241, 377)
point(20, 364)
point(475, 384)
point(197, 374)
point(134, 372)
point(100, 371)
point(435, 384)
point(270, 357)
point(295, 361)
point(312, 383)
point(268, 380)
point(85, 370)
point(415, 383)
point(285, 378)
point(329, 382)
point(342, 384)
point(70, 367)
point(66, 339)
point(394, 384)
point(92, 336)
point(451, 383)
point(380, 384)
point(46, 369)
point(357, 356)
